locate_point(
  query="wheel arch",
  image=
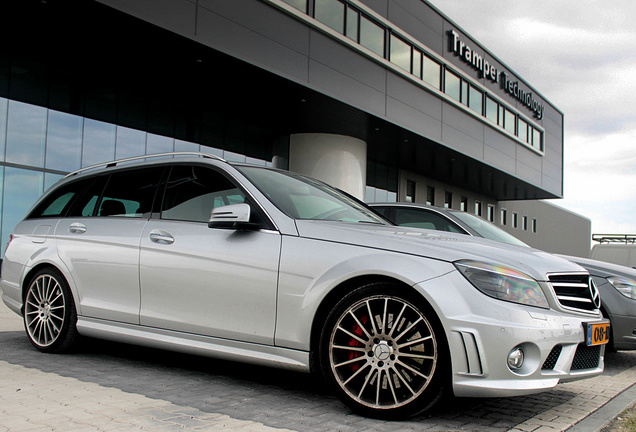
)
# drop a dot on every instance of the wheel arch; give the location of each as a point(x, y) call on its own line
point(344, 288)
point(30, 275)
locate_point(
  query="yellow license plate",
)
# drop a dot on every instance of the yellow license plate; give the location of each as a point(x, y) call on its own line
point(598, 333)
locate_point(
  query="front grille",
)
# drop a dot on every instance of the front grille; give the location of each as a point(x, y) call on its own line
point(586, 357)
point(552, 359)
point(573, 291)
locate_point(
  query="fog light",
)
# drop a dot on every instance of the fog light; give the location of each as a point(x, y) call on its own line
point(515, 358)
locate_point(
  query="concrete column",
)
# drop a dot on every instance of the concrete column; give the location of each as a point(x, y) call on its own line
point(337, 160)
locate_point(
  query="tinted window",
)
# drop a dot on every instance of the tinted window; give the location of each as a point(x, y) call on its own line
point(488, 230)
point(193, 191)
point(384, 211)
point(85, 203)
point(60, 200)
point(130, 193)
point(417, 218)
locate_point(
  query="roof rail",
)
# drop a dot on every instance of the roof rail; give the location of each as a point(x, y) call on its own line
point(614, 238)
point(143, 157)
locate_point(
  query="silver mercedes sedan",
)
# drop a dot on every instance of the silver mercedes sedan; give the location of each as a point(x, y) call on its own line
point(194, 254)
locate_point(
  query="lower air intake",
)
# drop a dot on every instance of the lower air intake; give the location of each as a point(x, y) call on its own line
point(586, 357)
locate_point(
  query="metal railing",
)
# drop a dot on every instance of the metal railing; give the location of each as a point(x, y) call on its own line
point(615, 238)
point(143, 157)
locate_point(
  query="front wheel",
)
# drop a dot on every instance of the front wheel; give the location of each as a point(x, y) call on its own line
point(382, 353)
point(49, 312)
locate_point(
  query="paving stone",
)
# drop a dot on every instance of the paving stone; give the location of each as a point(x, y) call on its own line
point(104, 386)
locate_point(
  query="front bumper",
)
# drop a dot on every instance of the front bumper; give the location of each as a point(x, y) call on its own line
point(482, 331)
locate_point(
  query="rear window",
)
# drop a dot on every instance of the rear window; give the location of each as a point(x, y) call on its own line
point(124, 194)
point(60, 200)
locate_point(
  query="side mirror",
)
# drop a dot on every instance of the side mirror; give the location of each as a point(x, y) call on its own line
point(235, 216)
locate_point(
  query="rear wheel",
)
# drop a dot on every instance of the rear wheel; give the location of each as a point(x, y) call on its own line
point(381, 352)
point(49, 312)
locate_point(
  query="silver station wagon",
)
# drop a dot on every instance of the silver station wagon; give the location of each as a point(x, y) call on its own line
point(194, 254)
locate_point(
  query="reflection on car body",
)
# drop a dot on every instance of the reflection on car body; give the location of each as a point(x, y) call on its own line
point(195, 254)
point(616, 284)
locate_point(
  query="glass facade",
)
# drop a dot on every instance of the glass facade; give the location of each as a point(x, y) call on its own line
point(382, 181)
point(452, 85)
point(25, 134)
point(522, 130)
point(371, 36)
point(330, 13)
point(431, 72)
point(475, 100)
point(298, 4)
point(491, 110)
point(401, 53)
point(353, 24)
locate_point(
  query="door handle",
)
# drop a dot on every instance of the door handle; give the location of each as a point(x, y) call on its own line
point(77, 228)
point(161, 237)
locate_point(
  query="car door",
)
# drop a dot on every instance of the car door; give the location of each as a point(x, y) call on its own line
point(213, 282)
point(99, 242)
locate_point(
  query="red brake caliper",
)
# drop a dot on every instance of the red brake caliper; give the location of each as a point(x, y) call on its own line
point(354, 343)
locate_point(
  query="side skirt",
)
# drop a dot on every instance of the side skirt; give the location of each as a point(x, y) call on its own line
point(263, 355)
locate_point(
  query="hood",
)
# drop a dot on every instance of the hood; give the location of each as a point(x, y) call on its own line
point(602, 268)
point(438, 245)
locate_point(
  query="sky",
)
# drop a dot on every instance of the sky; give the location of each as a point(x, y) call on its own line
point(581, 56)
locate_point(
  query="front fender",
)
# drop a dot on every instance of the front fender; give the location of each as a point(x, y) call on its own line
point(304, 285)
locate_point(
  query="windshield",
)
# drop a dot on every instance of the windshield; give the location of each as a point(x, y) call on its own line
point(487, 230)
point(304, 198)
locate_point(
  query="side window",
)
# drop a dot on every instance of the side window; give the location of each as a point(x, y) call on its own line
point(85, 205)
point(423, 219)
point(193, 191)
point(384, 211)
point(129, 193)
point(59, 201)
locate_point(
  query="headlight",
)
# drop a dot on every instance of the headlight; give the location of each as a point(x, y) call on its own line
point(625, 286)
point(503, 283)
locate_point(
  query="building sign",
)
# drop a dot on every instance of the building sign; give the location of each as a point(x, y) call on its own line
point(523, 96)
point(473, 58)
point(490, 72)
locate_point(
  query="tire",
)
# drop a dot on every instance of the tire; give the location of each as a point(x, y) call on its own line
point(49, 312)
point(390, 366)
